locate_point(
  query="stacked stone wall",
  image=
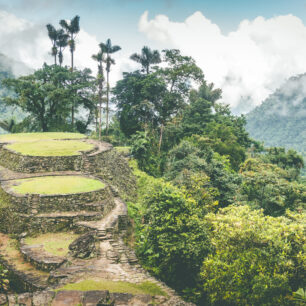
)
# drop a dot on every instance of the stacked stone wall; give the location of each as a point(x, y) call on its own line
point(111, 167)
point(30, 164)
point(40, 203)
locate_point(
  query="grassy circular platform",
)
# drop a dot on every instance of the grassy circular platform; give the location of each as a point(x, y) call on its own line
point(115, 286)
point(51, 147)
point(55, 185)
point(53, 243)
point(25, 137)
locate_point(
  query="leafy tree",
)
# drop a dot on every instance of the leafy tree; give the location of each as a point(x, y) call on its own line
point(289, 160)
point(266, 186)
point(199, 113)
point(144, 149)
point(136, 96)
point(147, 58)
point(173, 238)
point(109, 49)
point(158, 96)
point(258, 260)
point(194, 155)
point(47, 94)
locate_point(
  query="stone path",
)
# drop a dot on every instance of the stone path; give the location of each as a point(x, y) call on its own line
point(111, 259)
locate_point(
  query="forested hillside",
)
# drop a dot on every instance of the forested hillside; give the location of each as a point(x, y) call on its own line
point(215, 215)
point(8, 68)
point(281, 119)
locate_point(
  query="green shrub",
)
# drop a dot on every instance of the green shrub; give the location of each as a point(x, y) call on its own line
point(258, 260)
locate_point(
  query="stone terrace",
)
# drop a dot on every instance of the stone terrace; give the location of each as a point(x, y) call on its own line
point(99, 217)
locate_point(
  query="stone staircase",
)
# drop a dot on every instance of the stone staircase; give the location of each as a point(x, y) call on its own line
point(99, 217)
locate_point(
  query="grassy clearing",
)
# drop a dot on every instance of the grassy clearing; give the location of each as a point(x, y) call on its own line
point(55, 185)
point(53, 243)
point(120, 287)
point(50, 147)
point(25, 137)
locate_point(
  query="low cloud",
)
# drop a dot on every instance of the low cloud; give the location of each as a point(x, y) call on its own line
point(248, 64)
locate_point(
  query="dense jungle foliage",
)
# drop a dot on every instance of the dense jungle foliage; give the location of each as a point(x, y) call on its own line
point(218, 217)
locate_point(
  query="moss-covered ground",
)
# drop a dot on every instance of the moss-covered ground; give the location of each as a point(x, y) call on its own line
point(24, 137)
point(55, 185)
point(120, 287)
point(50, 147)
point(53, 243)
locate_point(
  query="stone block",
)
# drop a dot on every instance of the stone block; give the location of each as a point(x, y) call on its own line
point(65, 298)
point(43, 298)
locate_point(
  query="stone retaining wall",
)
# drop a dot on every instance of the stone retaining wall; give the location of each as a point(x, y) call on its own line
point(85, 298)
point(57, 223)
point(22, 281)
point(29, 164)
point(112, 167)
point(33, 203)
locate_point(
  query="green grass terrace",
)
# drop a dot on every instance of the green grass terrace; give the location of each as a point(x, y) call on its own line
point(26, 137)
point(112, 286)
point(55, 185)
point(53, 243)
point(50, 147)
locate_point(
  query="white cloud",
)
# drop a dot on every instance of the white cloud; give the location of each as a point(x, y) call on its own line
point(29, 43)
point(248, 64)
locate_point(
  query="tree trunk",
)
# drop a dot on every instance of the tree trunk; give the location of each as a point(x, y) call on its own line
point(71, 60)
point(161, 136)
point(100, 119)
point(72, 107)
point(107, 104)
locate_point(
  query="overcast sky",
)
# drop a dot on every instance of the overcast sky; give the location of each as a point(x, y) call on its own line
point(248, 48)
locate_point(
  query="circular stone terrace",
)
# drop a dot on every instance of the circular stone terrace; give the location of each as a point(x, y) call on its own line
point(47, 152)
point(25, 137)
point(54, 185)
point(67, 193)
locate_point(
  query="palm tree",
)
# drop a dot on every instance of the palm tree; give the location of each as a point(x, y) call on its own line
point(100, 58)
point(62, 42)
point(146, 58)
point(53, 35)
point(109, 49)
point(72, 29)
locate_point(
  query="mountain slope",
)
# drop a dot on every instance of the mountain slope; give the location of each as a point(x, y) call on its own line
point(9, 68)
point(281, 119)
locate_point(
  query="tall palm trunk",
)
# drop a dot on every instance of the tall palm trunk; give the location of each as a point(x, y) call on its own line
point(73, 104)
point(100, 109)
point(107, 102)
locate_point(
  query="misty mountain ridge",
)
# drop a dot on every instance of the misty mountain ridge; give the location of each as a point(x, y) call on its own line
point(281, 119)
